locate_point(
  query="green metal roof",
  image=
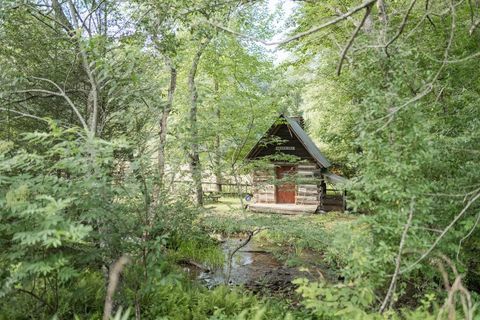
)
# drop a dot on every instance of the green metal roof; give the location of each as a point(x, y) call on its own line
point(307, 142)
point(334, 178)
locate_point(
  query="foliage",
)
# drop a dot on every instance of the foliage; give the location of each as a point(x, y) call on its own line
point(68, 212)
point(351, 300)
point(54, 203)
point(178, 302)
point(88, 107)
point(405, 121)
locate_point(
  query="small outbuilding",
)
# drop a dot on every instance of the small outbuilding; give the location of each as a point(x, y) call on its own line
point(290, 175)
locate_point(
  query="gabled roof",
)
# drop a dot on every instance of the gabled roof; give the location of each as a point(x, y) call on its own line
point(308, 143)
point(302, 136)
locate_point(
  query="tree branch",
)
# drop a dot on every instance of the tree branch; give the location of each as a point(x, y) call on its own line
point(429, 86)
point(250, 235)
point(86, 66)
point(37, 297)
point(468, 235)
point(444, 232)
point(24, 114)
point(393, 283)
point(301, 34)
point(368, 9)
point(60, 93)
point(402, 25)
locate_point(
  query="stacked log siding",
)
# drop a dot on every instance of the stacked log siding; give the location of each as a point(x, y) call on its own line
point(308, 190)
point(264, 189)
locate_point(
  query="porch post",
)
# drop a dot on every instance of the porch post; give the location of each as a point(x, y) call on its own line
point(323, 192)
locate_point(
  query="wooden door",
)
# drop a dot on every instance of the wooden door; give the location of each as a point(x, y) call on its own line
point(286, 191)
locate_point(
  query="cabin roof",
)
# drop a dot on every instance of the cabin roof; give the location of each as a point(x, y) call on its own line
point(302, 136)
point(334, 178)
point(308, 143)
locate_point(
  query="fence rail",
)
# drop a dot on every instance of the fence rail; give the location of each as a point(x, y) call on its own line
point(225, 188)
point(244, 188)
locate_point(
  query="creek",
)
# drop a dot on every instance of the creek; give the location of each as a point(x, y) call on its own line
point(257, 269)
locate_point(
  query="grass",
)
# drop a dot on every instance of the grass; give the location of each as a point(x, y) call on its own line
point(287, 237)
point(209, 255)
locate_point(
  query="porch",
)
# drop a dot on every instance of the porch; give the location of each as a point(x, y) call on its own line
point(283, 208)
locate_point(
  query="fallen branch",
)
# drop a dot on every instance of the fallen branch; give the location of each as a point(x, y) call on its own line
point(250, 235)
point(474, 26)
point(193, 263)
point(460, 60)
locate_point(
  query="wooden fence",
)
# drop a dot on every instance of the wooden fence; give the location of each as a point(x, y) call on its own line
point(333, 200)
point(227, 189)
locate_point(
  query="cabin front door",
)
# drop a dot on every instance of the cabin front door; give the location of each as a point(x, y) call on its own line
point(286, 190)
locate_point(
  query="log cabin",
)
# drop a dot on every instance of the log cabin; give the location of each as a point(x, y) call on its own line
point(290, 175)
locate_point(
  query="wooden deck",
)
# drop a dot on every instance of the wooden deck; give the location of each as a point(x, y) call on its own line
point(282, 208)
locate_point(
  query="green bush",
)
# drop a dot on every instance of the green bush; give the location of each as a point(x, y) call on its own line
point(177, 301)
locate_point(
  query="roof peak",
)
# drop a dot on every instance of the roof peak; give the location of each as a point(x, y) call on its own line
point(308, 143)
point(298, 119)
point(301, 135)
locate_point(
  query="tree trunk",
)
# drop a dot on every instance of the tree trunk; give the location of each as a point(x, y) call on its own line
point(218, 154)
point(75, 31)
point(163, 123)
point(93, 96)
point(195, 165)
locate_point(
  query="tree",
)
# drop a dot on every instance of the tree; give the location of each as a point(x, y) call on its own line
point(406, 106)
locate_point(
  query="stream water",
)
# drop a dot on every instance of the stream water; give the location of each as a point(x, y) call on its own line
point(249, 263)
point(256, 269)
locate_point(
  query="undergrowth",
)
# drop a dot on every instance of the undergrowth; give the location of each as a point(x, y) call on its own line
point(289, 238)
point(206, 252)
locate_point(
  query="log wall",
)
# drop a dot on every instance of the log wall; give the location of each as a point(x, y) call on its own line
point(308, 191)
point(263, 188)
